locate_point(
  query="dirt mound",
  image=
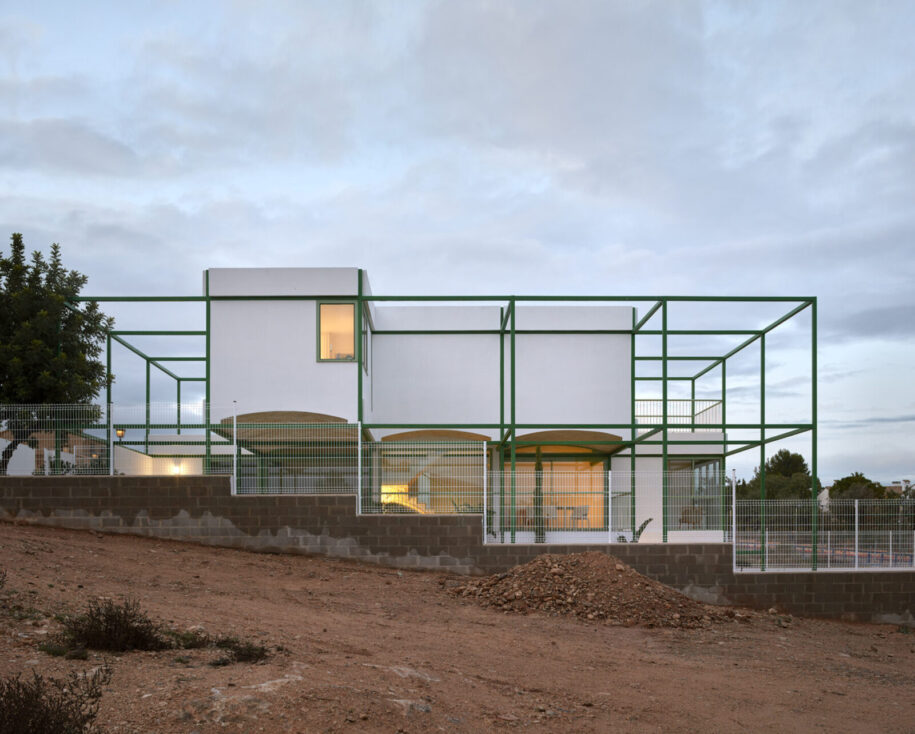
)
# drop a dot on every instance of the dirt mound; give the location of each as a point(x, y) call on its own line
point(593, 586)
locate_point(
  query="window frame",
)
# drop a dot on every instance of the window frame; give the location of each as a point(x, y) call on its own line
point(334, 302)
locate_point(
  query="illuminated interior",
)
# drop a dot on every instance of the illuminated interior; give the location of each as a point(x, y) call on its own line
point(338, 331)
point(399, 494)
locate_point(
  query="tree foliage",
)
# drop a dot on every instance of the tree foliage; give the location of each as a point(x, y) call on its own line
point(49, 349)
point(857, 487)
point(787, 477)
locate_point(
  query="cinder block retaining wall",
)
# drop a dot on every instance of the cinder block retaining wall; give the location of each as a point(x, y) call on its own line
point(201, 509)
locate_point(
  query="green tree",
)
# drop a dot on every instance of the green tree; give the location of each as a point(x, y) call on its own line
point(48, 348)
point(787, 477)
point(857, 487)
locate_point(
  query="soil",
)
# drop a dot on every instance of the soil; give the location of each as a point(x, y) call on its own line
point(594, 586)
point(361, 648)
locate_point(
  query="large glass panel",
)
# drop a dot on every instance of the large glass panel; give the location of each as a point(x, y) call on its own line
point(337, 331)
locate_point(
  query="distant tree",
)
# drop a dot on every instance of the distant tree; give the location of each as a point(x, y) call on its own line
point(857, 487)
point(787, 477)
point(48, 350)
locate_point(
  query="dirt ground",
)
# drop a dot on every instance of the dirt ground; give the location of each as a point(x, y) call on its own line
point(362, 648)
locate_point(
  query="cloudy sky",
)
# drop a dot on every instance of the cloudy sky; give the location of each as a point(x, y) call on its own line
point(492, 147)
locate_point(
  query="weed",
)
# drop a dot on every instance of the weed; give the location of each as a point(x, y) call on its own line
point(238, 651)
point(53, 648)
point(40, 705)
point(189, 639)
point(116, 627)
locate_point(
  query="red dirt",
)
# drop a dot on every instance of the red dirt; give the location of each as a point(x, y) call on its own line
point(374, 649)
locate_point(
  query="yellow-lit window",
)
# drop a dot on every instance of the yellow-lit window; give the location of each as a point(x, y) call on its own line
point(337, 331)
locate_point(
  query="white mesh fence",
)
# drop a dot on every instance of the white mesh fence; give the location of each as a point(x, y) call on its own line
point(838, 535)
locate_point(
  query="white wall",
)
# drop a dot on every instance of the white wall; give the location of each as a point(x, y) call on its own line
point(264, 355)
point(22, 464)
point(438, 378)
point(283, 281)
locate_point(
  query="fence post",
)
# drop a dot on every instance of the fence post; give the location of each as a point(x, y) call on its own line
point(234, 447)
point(829, 549)
point(485, 490)
point(856, 533)
point(358, 467)
point(891, 547)
point(733, 520)
point(110, 444)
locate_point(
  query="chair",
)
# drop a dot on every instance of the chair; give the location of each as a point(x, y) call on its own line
point(579, 513)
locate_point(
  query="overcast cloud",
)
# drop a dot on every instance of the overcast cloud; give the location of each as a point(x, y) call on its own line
point(493, 147)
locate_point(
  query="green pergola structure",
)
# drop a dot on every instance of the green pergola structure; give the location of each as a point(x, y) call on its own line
point(654, 433)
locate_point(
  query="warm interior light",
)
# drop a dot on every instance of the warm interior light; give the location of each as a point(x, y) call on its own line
point(399, 494)
point(120, 433)
point(176, 468)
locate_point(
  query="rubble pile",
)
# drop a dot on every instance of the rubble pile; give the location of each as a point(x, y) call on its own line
point(592, 586)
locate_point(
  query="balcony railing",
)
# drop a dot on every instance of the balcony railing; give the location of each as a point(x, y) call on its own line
point(682, 415)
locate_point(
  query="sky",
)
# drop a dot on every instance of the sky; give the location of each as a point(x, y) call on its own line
point(583, 147)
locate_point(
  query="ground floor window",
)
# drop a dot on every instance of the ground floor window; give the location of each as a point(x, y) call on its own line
point(695, 491)
point(561, 493)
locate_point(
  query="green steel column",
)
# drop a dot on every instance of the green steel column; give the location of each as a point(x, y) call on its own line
point(359, 328)
point(632, 427)
point(511, 305)
point(664, 416)
point(108, 368)
point(692, 405)
point(724, 450)
point(814, 510)
point(108, 395)
point(762, 451)
point(178, 383)
point(147, 406)
point(206, 405)
point(501, 425)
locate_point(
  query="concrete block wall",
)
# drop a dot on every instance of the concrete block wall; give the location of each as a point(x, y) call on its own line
point(201, 509)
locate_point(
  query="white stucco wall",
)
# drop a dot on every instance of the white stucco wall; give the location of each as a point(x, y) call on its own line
point(436, 378)
point(283, 281)
point(264, 355)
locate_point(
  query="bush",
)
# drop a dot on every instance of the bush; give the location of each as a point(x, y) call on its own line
point(43, 705)
point(238, 651)
point(116, 627)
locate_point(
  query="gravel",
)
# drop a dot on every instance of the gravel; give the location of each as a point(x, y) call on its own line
point(592, 586)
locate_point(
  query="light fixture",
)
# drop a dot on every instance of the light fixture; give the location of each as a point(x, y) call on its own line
point(120, 433)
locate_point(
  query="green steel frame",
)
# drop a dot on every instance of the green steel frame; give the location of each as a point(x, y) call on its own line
point(507, 331)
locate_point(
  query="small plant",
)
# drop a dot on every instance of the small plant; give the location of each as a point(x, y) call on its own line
point(189, 639)
point(41, 705)
point(116, 627)
point(238, 651)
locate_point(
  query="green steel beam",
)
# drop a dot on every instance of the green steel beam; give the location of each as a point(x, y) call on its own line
point(652, 311)
point(778, 322)
point(164, 369)
point(772, 439)
point(675, 358)
point(178, 359)
point(139, 299)
point(122, 332)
